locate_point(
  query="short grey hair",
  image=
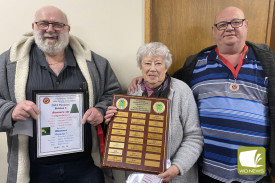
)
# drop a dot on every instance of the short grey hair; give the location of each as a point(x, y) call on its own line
point(64, 14)
point(154, 49)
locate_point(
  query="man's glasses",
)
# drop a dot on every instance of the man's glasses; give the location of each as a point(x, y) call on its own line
point(43, 25)
point(234, 23)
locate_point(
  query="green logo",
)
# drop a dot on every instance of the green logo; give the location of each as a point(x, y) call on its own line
point(74, 109)
point(46, 131)
point(251, 160)
point(121, 103)
point(159, 107)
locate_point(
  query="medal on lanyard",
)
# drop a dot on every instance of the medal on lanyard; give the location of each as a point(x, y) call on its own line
point(233, 86)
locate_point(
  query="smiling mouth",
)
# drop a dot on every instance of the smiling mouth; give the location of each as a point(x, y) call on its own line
point(51, 37)
point(152, 76)
point(229, 35)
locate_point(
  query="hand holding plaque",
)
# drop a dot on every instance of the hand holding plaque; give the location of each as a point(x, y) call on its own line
point(137, 135)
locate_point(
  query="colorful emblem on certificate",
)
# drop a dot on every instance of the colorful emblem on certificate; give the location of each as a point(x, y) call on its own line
point(136, 138)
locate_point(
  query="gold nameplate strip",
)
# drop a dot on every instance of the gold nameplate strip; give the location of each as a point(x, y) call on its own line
point(122, 114)
point(138, 115)
point(154, 136)
point(154, 142)
point(151, 163)
point(117, 138)
point(138, 121)
point(155, 130)
point(156, 123)
point(115, 158)
point(119, 126)
point(117, 144)
point(134, 154)
point(157, 117)
point(135, 147)
point(135, 141)
point(120, 120)
point(137, 128)
point(118, 132)
point(152, 156)
point(133, 161)
point(136, 134)
point(116, 152)
point(153, 149)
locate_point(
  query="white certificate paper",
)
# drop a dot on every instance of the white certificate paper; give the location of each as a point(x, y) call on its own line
point(58, 127)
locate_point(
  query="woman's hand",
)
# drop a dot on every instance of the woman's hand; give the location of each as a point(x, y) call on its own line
point(111, 110)
point(133, 85)
point(170, 173)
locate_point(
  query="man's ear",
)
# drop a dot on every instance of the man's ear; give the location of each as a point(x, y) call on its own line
point(212, 28)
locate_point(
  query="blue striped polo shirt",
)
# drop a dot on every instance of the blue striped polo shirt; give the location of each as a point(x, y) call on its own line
point(230, 119)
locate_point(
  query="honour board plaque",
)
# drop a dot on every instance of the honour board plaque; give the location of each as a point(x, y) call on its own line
point(137, 135)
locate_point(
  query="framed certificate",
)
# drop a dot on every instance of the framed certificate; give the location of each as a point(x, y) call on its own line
point(137, 136)
point(58, 129)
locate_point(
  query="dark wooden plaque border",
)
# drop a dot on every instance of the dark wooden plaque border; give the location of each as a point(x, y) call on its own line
point(133, 167)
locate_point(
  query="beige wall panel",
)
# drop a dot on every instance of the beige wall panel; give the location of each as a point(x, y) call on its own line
point(113, 29)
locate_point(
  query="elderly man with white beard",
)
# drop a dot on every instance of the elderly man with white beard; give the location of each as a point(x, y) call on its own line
point(51, 59)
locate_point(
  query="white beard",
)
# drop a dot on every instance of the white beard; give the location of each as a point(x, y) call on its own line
point(47, 46)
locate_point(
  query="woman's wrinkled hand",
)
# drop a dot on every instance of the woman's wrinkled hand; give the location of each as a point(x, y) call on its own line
point(133, 85)
point(170, 173)
point(111, 110)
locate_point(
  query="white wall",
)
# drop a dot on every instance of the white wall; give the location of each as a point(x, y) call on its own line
point(113, 29)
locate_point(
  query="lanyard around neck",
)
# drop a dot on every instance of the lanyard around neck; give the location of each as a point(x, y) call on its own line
point(227, 63)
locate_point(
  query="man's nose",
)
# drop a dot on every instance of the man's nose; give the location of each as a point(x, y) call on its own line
point(50, 28)
point(229, 27)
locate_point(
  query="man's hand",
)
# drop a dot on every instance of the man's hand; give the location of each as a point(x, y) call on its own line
point(24, 110)
point(170, 173)
point(111, 110)
point(133, 85)
point(92, 116)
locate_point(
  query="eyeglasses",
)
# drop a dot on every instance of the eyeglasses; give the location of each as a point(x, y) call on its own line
point(43, 25)
point(234, 23)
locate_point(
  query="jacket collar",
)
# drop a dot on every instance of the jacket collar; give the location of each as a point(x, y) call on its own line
point(20, 49)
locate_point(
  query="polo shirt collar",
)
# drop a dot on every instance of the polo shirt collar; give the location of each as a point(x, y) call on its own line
point(250, 55)
point(212, 55)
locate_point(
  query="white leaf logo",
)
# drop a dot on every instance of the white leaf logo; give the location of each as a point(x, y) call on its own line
point(250, 158)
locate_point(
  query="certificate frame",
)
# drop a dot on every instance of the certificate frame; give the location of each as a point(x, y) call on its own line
point(58, 129)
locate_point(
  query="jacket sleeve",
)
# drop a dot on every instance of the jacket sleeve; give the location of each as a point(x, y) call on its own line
point(185, 73)
point(105, 84)
point(272, 138)
point(6, 105)
point(192, 142)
